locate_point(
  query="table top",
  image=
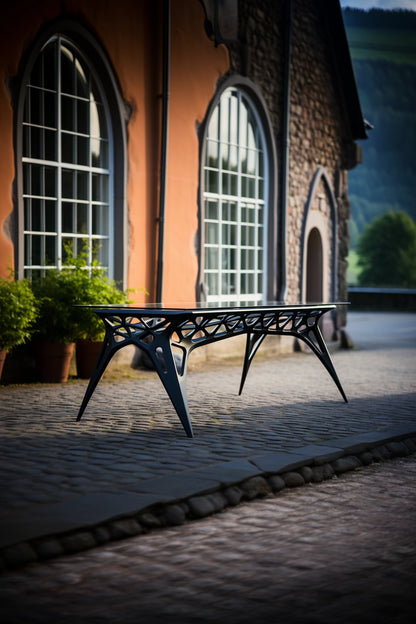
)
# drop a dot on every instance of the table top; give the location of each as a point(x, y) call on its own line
point(206, 307)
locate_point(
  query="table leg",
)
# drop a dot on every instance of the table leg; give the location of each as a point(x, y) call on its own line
point(321, 351)
point(106, 353)
point(173, 377)
point(253, 343)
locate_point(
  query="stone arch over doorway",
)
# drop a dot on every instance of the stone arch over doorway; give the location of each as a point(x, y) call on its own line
point(318, 279)
point(319, 241)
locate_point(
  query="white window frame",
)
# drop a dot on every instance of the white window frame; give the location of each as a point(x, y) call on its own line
point(255, 253)
point(59, 165)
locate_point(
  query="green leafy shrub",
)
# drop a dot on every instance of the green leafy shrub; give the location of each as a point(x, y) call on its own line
point(387, 252)
point(61, 292)
point(94, 288)
point(18, 312)
point(55, 293)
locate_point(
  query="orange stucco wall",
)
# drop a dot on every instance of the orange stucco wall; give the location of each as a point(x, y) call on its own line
point(130, 33)
point(196, 66)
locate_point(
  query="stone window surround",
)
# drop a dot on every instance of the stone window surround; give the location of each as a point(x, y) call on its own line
point(275, 236)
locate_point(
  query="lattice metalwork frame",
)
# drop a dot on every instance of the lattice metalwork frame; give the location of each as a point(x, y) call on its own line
point(169, 336)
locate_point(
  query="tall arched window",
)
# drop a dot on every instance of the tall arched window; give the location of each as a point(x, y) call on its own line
point(70, 157)
point(235, 189)
point(66, 161)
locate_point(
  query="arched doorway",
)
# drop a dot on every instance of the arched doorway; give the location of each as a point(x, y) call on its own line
point(314, 267)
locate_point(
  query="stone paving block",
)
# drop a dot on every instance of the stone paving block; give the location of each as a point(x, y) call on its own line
point(229, 473)
point(320, 453)
point(179, 486)
point(361, 442)
point(279, 462)
point(70, 514)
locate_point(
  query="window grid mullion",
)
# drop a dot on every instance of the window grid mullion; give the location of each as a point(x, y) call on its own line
point(59, 155)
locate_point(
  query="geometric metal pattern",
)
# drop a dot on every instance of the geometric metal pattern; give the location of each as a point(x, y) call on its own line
point(168, 336)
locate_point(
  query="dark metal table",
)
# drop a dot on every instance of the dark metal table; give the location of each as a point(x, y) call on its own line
point(168, 334)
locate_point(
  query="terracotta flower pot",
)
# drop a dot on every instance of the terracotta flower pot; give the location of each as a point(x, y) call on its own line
point(86, 356)
point(3, 354)
point(53, 361)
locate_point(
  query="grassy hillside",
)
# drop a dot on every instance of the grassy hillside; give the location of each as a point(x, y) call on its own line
point(383, 50)
point(383, 44)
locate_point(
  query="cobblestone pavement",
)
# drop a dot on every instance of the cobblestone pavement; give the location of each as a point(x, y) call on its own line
point(131, 438)
point(341, 551)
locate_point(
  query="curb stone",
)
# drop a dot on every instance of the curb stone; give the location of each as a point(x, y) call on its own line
point(303, 466)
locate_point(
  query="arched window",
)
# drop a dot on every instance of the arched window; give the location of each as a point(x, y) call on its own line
point(70, 135)
point(235, 190)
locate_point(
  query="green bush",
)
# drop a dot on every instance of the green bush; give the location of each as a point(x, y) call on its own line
point(94, 288)
point(18, 312)
point(61, 292)
point(387, 252)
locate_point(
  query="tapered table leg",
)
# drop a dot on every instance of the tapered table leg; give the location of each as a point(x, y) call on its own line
point(104, 358)
point(321, 351)
point(172, 374)
point(253, 343)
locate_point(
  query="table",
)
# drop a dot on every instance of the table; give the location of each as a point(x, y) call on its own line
point(169, 333)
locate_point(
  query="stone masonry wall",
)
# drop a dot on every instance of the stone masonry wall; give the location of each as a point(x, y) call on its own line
point(318, 135)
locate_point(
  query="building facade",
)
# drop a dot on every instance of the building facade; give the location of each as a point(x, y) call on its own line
point(199, 148)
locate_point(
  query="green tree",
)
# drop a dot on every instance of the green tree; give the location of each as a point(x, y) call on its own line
point(387, 252)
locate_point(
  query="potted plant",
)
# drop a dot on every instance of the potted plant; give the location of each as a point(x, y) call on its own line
point(18, 312)
point(93, 287)
point(55, 325)
point(98, 289)
point(62, 323)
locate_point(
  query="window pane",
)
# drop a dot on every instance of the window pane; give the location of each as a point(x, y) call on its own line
point(212, 283)
point(50, 182)
point(67, 217)
point(35, 215)
point(212, 153)
point(211, 233)
point(211, 210)
point(82, 219)
point(35, 107)
point(213, 125)
point(81, 80)
point(82, 117)
point(50, 216)
point(67, 183)
point(49, 67)
point(212, 181)
point(49, 100)
point(50, 144)
point(67, 113)
point(233, 234)
point(68, 244)
point(67, 71)
point(50, 252)
point(36, 177)
point(82, 185)
point(68, 147)
point(36, 143)
point(225, 234)
point(100, 220)
point(211, 257)
point(35, 256)
point(100, 252)
point(99, 153)
point(98, 124)
point(82, 150)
